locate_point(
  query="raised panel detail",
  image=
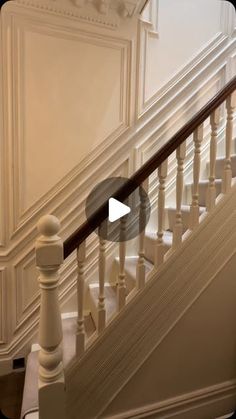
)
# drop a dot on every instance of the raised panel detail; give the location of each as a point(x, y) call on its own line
point(64, 109)
point(26, 288)
point(167, 53)
point(3, 307)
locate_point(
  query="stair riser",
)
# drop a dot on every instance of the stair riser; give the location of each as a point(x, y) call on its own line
point(93, 309)
point(110, 302)
point(185, 217)
point(202, 193)
point(150, 244)
point(220, 167)
point(129, 278)
point(172, 218)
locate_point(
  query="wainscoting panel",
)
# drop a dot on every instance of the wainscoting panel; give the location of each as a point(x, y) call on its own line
point(74, 111)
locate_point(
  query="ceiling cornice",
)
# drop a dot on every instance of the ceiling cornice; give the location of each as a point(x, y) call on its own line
point(107, 13)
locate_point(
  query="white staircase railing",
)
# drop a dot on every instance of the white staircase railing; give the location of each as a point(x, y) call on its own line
point(49, 247)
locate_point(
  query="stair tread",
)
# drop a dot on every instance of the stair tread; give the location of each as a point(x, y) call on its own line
point(219, 167)
point(167, 236)
point(204, 182)
point(131, 263)
point(186, 208)
point(222, 158)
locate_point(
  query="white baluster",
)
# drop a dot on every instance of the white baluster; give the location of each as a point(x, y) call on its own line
point(121, 287)
point(227, 173)
point(49, 257)
point(194, 208)
point(211, 190)
point(162, 174)
point(80, 334)
point(178, 228)
point(140, 269)
point(101, 274)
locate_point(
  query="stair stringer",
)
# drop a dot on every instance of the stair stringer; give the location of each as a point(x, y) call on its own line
point(143, 324)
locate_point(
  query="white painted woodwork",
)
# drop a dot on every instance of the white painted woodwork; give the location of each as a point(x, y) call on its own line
point(160, 247)
point(80, 334)
point(159, 30)
point(211, 192)
point(34, 126)
point(194, 209)
point(108, 14)
point(121, 286)
point(101, 276)
point(49, 257)
point(149, 321)
point(227, 172)
point(76, 55)
point(140, 269)
point(178, 228)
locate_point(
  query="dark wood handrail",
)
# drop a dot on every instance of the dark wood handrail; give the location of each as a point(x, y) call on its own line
point(148, 168)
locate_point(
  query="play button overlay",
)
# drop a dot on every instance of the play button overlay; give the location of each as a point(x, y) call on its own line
point(117, 210)
point(125, 219)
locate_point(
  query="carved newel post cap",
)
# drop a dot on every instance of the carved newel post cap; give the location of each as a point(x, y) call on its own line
point(49, 225)
point(49, 246)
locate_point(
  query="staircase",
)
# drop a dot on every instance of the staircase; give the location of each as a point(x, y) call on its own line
point(110, 290)
point(87, 336)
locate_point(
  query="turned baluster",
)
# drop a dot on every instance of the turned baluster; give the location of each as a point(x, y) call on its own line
point(160, 250)
point(80, 333)
point(227, 171)
point(101, 275)
point(121, 287)
point(194, 208)
point(140, 269)
point(49, 257)
point(211, 190)
point(178, 228)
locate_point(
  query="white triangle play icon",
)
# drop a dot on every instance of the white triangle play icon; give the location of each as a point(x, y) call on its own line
point(116, 210)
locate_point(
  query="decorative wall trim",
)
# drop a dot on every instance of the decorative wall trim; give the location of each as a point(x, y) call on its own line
point(2, 160)
point(218, 42)
point(25, 308)
point(66, 199)
point(148, 27)
point(166, 298)
point(146, 129)
point(18, 27)
point(104, 13)
point(3, 306)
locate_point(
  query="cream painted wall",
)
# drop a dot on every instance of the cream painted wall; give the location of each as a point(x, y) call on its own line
point(79, 103)
point(173, 34)
point(184, 27)
point(72, 96)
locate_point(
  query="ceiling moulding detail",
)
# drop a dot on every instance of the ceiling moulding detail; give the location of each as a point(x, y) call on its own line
point(106, 13)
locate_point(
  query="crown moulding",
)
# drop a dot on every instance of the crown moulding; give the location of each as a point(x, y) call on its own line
point(107, 13)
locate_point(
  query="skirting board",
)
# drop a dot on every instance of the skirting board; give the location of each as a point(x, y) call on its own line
point(207, 403)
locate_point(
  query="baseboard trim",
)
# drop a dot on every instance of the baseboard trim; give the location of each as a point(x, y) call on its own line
point(216, 400)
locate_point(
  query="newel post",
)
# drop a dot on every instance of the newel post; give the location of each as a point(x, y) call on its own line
point(49, 257)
